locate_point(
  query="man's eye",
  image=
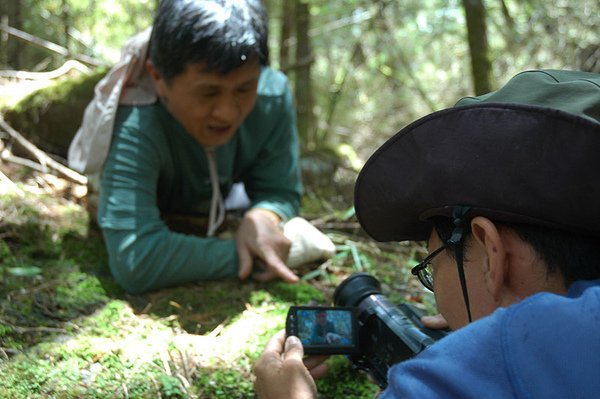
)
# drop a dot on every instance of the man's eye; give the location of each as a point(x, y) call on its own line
point(243, 90)
point(209, 94)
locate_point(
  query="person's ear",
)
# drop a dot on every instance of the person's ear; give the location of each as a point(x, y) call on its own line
point(159, 82)
point(494, 256)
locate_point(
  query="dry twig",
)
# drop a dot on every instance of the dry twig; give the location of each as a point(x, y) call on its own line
point(23, 330)
point(42, 157)
point(63, 70)
point(6, 351)
point(12, 186)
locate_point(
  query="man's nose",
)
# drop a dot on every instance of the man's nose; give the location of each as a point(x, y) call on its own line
point(226, 108)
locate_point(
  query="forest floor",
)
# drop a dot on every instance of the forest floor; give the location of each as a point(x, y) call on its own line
point(68, 331)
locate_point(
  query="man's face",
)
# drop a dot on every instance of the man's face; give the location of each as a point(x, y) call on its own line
point(447, 288)
point(322, 318)
point(209, 105)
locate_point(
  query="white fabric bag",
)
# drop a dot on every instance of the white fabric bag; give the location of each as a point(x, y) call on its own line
point(126, 83)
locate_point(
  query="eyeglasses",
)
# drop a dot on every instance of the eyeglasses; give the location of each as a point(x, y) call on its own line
point(423, 270)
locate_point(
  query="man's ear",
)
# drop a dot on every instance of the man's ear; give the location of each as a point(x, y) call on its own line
point(494, 259)
point(159, 82)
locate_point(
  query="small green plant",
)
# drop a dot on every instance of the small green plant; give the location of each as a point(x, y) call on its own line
point(225, 383)
point(170, 387)
point(341, 381)
point(301, 293)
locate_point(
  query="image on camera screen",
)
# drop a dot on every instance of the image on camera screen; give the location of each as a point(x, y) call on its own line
point(326, 327)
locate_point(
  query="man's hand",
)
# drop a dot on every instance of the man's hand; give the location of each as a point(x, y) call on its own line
point(260, 237)
point(436, 322)
point(281, 373)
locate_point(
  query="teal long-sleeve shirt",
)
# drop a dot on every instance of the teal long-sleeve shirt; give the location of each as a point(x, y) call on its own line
point(154, 166)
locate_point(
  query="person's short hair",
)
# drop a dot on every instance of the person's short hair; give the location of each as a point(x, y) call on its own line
point(574, 256)
point(222, 33)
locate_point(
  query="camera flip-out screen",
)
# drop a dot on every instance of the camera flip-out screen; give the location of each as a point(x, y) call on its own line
point(324, 330)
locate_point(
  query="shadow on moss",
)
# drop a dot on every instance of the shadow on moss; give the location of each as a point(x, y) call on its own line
point(201, 307)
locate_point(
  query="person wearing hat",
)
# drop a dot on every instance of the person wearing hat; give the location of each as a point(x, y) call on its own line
point(505, 189)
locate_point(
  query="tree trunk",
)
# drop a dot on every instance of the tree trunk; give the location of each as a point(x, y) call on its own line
point(66, 20)
point(510, 22)
point(11, 13)
point(287, 23)
point(478, 45)
point(303, 87)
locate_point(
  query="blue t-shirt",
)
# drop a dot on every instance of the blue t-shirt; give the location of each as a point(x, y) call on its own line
point(547, 346)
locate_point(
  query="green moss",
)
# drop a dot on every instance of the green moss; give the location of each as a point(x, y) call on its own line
point(300, 293)
point(50, 116)
point(260, 297)
point(75, 220)
point(170, 386)
point(41, 284)
point(341, 381)
point(5, 330)
point(80, 292)
point(24, 378)
point(201, 308)
point(5, 252)
point(82, 336)
point(224, 383)
point(76, 374)
point(108, 321)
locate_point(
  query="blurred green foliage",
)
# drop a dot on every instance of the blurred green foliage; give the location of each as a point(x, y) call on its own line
point(405, 59)
point(377, 65)
point(94, 28)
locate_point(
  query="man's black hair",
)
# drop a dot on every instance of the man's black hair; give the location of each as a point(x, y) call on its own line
point(222, 33)
point(574, 256)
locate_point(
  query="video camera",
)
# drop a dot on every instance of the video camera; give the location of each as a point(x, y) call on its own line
point(364, 325)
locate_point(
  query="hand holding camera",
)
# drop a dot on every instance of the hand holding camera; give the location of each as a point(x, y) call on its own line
point(364, 325)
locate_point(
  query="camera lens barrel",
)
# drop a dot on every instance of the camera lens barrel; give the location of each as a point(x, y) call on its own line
point(355, 288)
point(388, 333)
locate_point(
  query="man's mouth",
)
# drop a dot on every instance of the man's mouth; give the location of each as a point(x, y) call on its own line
point(220, 130)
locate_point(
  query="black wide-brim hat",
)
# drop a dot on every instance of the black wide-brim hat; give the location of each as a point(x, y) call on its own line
point(527, 153)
